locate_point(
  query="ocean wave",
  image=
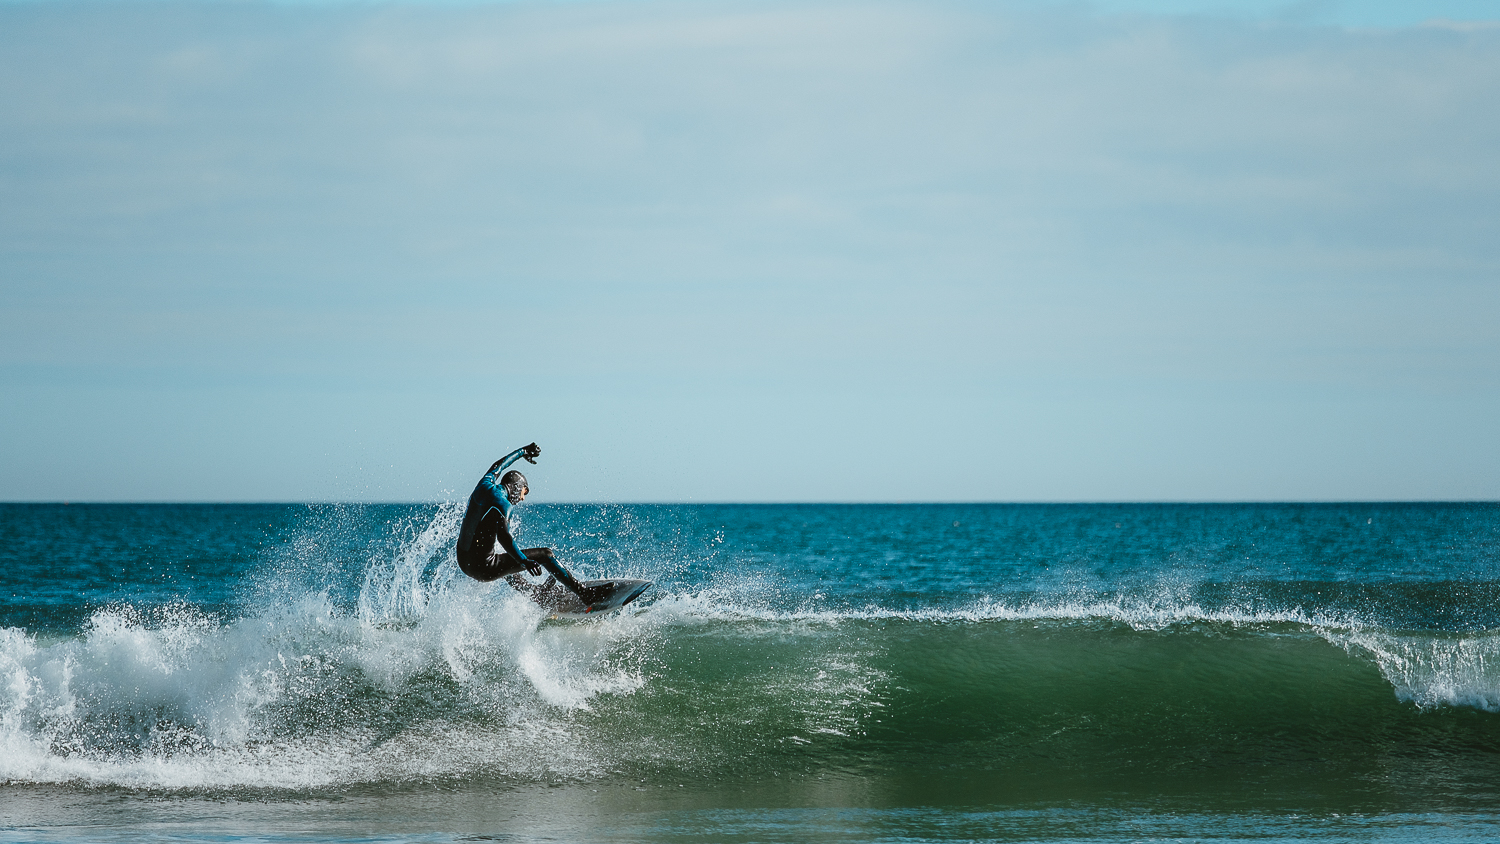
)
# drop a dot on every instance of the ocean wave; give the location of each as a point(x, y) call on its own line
point(299, 697)
point(483, 684)
point(426, 675)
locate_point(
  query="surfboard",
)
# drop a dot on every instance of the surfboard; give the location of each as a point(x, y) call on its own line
point(603, 596)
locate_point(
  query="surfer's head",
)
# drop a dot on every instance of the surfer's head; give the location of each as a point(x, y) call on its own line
point(515, 486)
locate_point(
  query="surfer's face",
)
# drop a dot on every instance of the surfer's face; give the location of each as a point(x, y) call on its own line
point(518, 496)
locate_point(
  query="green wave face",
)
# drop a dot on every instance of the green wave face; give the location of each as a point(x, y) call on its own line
point(1000, 706)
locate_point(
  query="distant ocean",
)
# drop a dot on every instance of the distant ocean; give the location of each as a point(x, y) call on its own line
point(799, 673)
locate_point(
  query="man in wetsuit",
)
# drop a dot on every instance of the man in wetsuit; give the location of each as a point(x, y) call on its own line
point(488, 520)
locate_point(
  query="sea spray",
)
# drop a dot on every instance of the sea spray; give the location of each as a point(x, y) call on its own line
point(178, 698)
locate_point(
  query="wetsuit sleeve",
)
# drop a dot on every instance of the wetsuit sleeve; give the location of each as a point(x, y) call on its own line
point(508, 542)
point(493, 475)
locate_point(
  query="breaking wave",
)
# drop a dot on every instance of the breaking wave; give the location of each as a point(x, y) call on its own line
point(425, 676)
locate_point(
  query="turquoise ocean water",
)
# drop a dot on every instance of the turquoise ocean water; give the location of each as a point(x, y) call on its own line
point(1238, 672)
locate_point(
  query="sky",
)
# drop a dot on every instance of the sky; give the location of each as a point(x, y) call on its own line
point(1125, 250)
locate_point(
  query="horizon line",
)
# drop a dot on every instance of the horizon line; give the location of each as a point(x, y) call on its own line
point(602, 503)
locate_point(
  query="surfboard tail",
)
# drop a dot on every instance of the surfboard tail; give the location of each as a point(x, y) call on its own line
point(597, 596)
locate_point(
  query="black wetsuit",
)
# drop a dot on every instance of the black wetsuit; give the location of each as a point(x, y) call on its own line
point(488, 520)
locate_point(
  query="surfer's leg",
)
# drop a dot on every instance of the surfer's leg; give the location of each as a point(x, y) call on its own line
point(493, 567)
point(526, 587)
point(480, 562)
point(543, 593)
point(479, 559)
point(548, 561)
point(502, 564)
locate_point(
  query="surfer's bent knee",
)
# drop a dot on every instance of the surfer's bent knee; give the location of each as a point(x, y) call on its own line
point(488, 568)
point(495, 566)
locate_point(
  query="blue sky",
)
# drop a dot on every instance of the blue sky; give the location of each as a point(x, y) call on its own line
point(1354, 13)
point(750, 251)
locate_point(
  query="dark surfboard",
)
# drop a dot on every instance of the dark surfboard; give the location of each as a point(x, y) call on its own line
point(602, 596)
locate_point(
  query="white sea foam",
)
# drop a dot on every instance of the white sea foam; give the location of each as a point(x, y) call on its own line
point(183, 699)
point(1430, 669)
point(1136, 612)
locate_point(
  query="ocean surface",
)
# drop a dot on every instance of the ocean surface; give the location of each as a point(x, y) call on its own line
point(798, 673)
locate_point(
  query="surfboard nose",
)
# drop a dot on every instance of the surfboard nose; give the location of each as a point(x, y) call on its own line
point(612, 594)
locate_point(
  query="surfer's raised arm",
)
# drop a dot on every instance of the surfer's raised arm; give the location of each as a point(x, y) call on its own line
point(530, 452)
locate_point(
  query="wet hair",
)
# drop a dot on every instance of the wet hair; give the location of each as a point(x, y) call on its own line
point(513, 482)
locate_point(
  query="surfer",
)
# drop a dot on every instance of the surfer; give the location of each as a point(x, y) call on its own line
point(488, 520)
